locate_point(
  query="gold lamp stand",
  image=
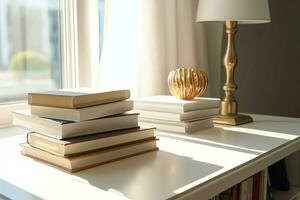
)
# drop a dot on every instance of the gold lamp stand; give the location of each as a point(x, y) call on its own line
point(228, 106)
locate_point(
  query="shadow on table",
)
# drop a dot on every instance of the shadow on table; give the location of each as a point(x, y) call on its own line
point(141, 174)
point(288, 128)
point(10, 191)
point(246, 140)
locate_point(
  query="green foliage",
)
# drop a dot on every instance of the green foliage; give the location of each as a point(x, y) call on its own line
point(29, 61)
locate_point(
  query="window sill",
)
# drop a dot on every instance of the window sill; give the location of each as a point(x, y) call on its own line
point(6, 113)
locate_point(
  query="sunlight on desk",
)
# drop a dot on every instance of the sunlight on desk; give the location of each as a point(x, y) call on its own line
point(202, 164)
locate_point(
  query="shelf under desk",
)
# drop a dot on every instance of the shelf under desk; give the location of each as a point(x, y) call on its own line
point(196, 166)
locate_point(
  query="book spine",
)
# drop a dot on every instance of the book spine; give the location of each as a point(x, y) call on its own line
point(250, 188)
point(57, 149)
point(243, 190)
point(50, 100)
point(258, 191)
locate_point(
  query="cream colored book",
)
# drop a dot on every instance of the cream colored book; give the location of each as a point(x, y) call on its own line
point(174, 105)
point(178, 127)
point(76, 98)
point(243, 190)
point(184, 116)
point(83, 114)
point(61, 129)
point(87, 160)
point(87, 143)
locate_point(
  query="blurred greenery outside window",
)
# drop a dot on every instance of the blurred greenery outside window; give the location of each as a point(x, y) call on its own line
point(29, 48)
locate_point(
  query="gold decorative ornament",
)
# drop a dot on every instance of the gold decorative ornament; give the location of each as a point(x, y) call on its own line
point(228, 106)
point(187, 83)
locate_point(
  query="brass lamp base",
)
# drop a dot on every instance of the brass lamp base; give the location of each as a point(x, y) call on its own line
point(228, 106)
point(232, 120)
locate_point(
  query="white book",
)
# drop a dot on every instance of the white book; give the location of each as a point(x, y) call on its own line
point(178, 127)
point(185, 116)
point(65, 129)
point(82, 114)
point(76, 97)
point(173, 104)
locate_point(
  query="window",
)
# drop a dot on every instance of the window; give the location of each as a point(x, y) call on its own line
point(29, 48)
point(41, 46)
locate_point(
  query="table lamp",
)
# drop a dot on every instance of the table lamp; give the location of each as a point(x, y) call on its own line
point(232, 12)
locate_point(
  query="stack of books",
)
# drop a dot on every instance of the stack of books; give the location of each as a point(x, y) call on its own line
point(167, 113)
point(75, 130)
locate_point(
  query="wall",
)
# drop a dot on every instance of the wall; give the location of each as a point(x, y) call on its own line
point(268, 72)
point(213, 35)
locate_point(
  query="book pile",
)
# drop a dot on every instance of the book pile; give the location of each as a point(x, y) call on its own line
point(167, 113)
point(75, 130)
point(253, 188)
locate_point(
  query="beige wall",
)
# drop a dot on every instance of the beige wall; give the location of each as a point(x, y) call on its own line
point(268, 73)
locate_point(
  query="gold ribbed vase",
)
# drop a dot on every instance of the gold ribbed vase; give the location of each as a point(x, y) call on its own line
point(187, 83)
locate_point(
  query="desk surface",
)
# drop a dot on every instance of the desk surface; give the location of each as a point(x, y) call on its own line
point(194, 166)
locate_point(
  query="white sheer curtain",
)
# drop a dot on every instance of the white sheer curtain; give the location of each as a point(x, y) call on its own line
point(145, 39)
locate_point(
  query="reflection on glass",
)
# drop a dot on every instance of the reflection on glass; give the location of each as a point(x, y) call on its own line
point(29, 47)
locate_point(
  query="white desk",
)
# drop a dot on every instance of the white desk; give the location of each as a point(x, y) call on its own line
point(194, 166)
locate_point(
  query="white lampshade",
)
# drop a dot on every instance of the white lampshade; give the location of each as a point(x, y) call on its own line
point(242, 11)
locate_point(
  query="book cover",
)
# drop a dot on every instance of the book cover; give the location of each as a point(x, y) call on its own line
point(77, 145)
point(177, 127)
point(83, 114)
point(76, 98)
point(174, 105)
point(61, 129)
point(186, 116)
point(91, 159)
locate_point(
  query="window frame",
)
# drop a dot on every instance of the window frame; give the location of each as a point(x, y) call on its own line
point(79, 22)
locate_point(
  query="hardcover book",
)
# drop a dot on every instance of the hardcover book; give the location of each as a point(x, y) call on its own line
point(72, 146)
point(76, 98)
point(83, 114)
point(174, 105)
point(178, 127)
point(185, 116)
point(87, 160)
point(61, 129)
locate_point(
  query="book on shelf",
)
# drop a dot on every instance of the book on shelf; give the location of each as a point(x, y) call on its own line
point(246, 189)
point(76, 98)
point(72, 146)
point(178, 127)
point(226, 195)
point(258, 191)
point(184, 116)
point(174, 105)
point(253, 188)
point(82, 114)
point(87, 160)
point(250, 188)
point(235, 193)
point(61, 129)
point(243, 190)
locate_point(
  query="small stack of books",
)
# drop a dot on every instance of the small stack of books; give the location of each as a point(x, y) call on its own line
point(167, 113)
point(79, 129)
